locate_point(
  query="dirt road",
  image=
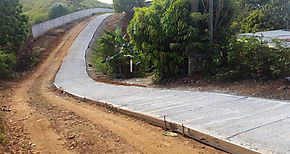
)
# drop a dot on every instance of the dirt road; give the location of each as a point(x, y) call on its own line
point(45, 121)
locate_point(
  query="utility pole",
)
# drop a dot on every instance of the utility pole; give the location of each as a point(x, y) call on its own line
point(210, 24)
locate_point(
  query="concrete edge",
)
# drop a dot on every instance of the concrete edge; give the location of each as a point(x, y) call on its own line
point(217, 143)
point(172, 126)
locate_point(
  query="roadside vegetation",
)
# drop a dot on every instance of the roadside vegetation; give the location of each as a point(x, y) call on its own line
point(13, 32)
point(16, 18)
point(42, 10)
point(172, 39)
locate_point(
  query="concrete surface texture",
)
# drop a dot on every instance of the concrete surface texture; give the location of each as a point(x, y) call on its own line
point(42, 28)
point(254, 123)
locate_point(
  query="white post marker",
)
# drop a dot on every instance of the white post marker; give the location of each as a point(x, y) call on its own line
point(131, 65)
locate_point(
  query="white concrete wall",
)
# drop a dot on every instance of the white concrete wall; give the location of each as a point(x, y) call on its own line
point(42, 28)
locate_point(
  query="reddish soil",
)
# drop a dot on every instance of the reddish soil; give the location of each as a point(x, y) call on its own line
point(44, 121)
point(275, 89)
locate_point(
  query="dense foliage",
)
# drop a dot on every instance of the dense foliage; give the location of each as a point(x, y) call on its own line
point(37, 10)
point(127, 6)
point(169, 31)
point(13, 32)
point(57, 10)
point(264, 15)
point(170, 35)
point(252, 58)
point(114, 54)
point(7, 64)
point(13, 26)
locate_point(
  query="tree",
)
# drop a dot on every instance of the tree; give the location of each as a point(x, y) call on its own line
point(116, 51)
point(13, 32)
point(166, 33)
point(264, 15)
point(13, 26)
point(127, 6)
point(57, 10)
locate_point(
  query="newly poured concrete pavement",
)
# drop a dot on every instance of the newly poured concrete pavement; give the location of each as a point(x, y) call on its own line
point(259, 124)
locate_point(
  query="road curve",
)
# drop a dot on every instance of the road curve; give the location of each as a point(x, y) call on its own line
point(237, 124)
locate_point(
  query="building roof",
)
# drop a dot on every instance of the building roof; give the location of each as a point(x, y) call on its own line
point(269, 36)
point(278, 34)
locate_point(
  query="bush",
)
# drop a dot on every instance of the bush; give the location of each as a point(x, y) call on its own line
point(13, 25)
point(57, 10)
point(115, 52)
point(167, 33)
point(42, 17)
point(127, 6)
point(252, 58)
point(7, 64)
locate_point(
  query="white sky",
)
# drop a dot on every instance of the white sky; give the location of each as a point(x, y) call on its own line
point(107, 1)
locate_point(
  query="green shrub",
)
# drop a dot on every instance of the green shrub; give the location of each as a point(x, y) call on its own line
point(114, 52)
point(40, 18)
point(127, 6)
point(57, 10)
point(7, 64)
point(252, 58)
point(13, 26)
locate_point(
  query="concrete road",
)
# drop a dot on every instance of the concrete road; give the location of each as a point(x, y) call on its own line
point(258, 124)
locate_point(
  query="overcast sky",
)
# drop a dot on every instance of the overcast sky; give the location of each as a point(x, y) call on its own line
point(107, 1)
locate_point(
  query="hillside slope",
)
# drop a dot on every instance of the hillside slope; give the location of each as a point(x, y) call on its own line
point(37, 10)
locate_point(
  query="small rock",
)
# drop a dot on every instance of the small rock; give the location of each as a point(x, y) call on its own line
point(167, 144)
point(118, 140)
point(5, 109)
point(202, 147)
point(33, 145)
point(71, 137)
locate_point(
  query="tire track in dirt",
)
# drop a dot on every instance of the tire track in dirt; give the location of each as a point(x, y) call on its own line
point(42, 136)
point(57, 123)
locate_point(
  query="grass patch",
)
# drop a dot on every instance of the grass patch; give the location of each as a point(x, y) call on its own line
point(3, 137)
point(37, 10)
point(99, 67)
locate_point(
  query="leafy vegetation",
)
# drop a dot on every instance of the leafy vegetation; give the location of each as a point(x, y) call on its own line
point(170, 31)
point(7, 64)
point(3, 138)
point(264, 15)
point(168, 34)
point(127, 6)
point(113, 54)
point(37, 10)
point(57, 10)
point(252, 58)
point(13, 32)
point(13, 26)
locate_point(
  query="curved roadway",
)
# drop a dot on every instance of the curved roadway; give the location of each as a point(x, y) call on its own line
point(258, 124)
